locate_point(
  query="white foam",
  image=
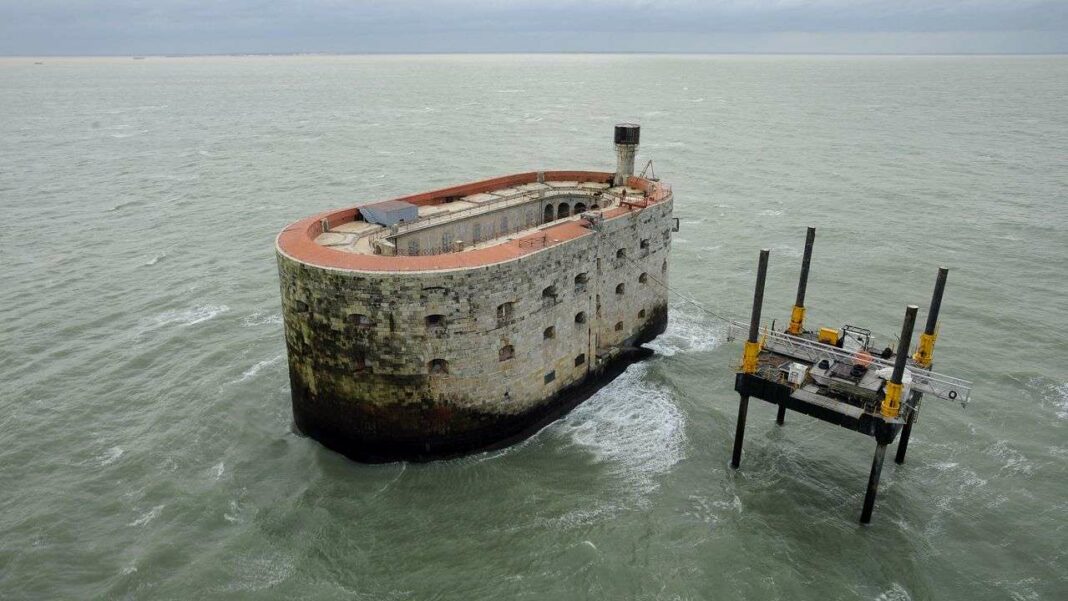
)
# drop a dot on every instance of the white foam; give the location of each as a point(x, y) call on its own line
point(632, 425)
point(189, 317)
point(147, 516)
point(770, 212)
point(260, 318)
point(255, 369)
point(895, 593)
point(1061, 402)
point(155, 259)
point(232, 515)
point(686, 332)
point(254, 573)
point(218, 470)
point(1015, 461)
point(110, 456)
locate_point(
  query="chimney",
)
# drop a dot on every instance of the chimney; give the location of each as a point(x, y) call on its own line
point(626, 149)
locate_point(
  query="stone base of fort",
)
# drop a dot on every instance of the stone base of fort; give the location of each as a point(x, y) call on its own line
point(434, 430)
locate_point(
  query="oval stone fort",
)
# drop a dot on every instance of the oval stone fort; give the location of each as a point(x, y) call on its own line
point(467, 318)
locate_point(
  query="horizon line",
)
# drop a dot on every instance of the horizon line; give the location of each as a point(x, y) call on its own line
point(525, 52)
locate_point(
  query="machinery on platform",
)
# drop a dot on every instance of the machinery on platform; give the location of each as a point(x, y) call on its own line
point(841, 376)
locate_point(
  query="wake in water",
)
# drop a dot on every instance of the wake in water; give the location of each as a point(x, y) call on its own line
point(686, 332)
point(633, 424)
point(251, 372)
point(261, 318)
point(187, 317)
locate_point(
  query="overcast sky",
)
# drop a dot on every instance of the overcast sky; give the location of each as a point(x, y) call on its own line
point(124, 27)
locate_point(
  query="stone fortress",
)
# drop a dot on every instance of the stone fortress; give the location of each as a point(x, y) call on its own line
point(466, 318)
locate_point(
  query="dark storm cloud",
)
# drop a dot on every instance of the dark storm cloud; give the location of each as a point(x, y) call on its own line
point(214, 26)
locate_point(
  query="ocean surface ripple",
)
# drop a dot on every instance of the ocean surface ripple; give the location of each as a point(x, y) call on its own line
point(146, 443)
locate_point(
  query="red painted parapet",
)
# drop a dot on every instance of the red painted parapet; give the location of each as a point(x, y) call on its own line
point(297, 240)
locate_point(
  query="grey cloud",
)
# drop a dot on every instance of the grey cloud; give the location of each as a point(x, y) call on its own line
point(212, 26)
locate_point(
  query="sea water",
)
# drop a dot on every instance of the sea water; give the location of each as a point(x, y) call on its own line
point(146, 440)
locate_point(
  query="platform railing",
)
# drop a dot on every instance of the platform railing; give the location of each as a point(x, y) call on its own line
point(810, 351)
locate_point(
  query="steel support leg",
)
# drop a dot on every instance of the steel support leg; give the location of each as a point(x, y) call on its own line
point(873, 483)
point(903, 444)
point(781, 416)
point(739, 433)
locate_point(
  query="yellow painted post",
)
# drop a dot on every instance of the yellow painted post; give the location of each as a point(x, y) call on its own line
point(892, 400)
point(797, 320)
point(750, 357)
point(925, 349)
point(797, 316)
point(891, 406)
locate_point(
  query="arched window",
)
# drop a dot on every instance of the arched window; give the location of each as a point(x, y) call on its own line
point(580, 317)
point(550, 332)
point(641, 314)
point(663, 267)
point(435, 321)
point(580, 282)
point(594, 207)
point(620, 288)
point(361, 321)
point(644, 243)
point(548, 213)
point(507, 352)
point(549, 293)
point(579, 208)
point(643, 278)
point(580, 360)
point(563, 210)
point(619, 326)
point(438, 366)
point(621, 253)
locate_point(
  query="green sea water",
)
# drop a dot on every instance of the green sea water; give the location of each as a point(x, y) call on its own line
point(146, 440)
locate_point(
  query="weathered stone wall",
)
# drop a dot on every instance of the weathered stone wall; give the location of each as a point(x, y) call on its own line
point(364, 359)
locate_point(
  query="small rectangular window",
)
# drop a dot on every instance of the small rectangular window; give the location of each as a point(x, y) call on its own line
point(549, 377)
point(645, 243)
point(505, 312)
point(580, 360)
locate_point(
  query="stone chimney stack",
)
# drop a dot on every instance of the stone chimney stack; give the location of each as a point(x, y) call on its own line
point(626, 148)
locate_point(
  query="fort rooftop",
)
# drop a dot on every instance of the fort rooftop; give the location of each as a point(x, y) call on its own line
point(461, 227)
